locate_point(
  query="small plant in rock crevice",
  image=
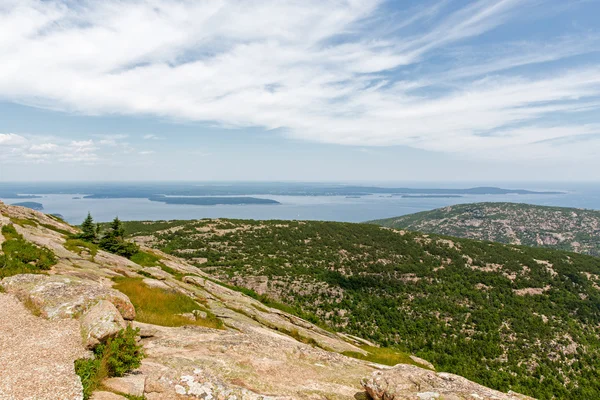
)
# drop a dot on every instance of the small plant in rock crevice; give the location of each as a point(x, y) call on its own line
point(114, 358)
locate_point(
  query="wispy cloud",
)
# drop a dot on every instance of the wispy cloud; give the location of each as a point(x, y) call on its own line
point(320, 70)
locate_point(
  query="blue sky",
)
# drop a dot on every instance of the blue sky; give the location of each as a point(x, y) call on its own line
point(300, 90)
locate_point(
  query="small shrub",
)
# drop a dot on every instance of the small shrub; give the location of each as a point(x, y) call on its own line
point(118, 356)
point(89, 371)
point(118, 246)
point(121, 353)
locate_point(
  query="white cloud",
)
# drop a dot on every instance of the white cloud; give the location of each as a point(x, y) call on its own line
point(11, 139)
point(319, 70)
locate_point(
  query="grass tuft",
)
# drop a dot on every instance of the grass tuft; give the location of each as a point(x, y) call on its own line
point(160, 307)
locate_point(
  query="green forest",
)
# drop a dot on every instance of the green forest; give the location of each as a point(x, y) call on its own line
point(506, 316)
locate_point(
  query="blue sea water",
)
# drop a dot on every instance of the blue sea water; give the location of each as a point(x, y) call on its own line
point(333, 208)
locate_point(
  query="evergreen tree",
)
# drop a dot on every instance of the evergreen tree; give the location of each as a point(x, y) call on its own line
point(88, 229)
point(116, 228)
point(114, 240)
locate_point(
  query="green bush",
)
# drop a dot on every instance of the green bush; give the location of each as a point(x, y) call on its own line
point(118, 246)
point(89, 373)
point(121, 353)
point(118, 356)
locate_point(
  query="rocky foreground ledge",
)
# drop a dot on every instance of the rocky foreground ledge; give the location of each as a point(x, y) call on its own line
point(47, 321)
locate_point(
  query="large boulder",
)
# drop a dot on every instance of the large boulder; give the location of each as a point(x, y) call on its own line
point(101, 322)
point(62, 296)
point(404, 382)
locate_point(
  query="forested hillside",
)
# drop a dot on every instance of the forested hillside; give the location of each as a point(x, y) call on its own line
point(507, 316)
point(561, 228)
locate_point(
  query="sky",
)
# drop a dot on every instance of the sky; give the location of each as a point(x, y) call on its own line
point(305, 90)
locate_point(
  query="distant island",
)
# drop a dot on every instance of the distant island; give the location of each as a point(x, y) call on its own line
point(212, 201)
point(30, 204)
point(430, 196)
point(146, 190)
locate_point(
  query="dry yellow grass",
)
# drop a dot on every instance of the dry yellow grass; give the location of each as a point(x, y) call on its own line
point(160, 307)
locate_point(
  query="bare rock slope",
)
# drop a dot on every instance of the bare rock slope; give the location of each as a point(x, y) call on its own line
point(47, 320)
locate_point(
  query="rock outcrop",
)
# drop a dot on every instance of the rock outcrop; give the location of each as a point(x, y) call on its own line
point(100, 322)
point(64, 296)
point(407, 382)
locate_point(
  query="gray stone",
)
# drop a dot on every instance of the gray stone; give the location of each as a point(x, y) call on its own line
point(63, 296)
point(101, 322)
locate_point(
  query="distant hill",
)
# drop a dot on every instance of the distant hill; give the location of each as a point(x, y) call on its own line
point(569, 229)
point(510, 317)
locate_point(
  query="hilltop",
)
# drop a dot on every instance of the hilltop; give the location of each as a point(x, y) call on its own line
point(570, 229)
point(506, 316)
point(67, 308)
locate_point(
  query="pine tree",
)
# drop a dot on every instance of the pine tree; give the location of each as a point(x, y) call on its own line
point(114, 240)
point(116, 228)
point(88, 229)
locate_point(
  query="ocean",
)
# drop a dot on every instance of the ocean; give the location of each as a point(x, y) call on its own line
point(73, 207)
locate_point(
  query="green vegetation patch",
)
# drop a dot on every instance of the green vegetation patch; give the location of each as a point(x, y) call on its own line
point(23, 222)
point(383, 355)
point(146, 259)
point(56, 229)
point(21, 256)
point(79, 245)
point(118, 356)
point(160, 307)
point(487, 311)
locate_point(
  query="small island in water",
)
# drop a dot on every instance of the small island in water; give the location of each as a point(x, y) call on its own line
point(212, 201)
point(30, 204)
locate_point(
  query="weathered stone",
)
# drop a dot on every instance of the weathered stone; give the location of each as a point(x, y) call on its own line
point(132, 384)
point(157, 273)
point(61, 296)
point(404, 382)
point(155, 283)
point(188, 315)
point(106, 396)
point(101, 322)
point(200, 314)
point(423, 362)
